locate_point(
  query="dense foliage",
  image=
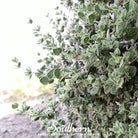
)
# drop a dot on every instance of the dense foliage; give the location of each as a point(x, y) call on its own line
point(94, 56)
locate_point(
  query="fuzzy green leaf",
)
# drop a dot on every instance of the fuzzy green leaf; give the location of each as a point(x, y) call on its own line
point(133, 6)
point(132, 71)
point(15, 105)
point(97, 9)
point(90, 7)
point(94, 91)
point(50, 74)
point(136, 93)
point(81, 15)
point(91, 18)
point(86, 40)
point(117, 51)
point(57, 51)
point(115, 91)
point(112, 62)
point(131, 33)
point(44, 80)
point(58, 73)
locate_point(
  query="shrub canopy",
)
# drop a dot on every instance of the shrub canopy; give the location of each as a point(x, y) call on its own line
point(94, 56)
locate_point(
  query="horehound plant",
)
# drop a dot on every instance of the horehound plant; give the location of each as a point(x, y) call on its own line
point(94, 57)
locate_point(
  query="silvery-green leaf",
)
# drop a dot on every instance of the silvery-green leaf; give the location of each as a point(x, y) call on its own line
point(81, 15)
point(58, 73)
point(57, 51)
point(91, 18)
point(94, 91)
point(44, 80)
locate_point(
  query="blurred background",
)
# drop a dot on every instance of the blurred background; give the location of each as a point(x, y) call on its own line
point(17, 40)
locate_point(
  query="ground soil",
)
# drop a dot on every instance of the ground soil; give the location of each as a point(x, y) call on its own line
point(19, 126)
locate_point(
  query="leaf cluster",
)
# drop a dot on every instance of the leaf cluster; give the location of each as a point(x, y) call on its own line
point(94, 56)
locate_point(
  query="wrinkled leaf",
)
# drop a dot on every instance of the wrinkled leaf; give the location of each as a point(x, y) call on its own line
point(132, 71)
point(112, 62)
point(90, 7)
point(86, 40)
point(94, 91)
point(58, 73)
point(127, 94)
point(57, 51)
point(115, 91)
point(91, 18)
point(15, 105)
point(97, 9)
point(131, 33)
point(117, 51)
point(81, 15)
point(136, 93)
point(50, 74)
point(133, 5)
point(44, 80)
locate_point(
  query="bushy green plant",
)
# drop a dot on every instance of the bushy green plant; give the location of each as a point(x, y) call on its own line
point(94, 56)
